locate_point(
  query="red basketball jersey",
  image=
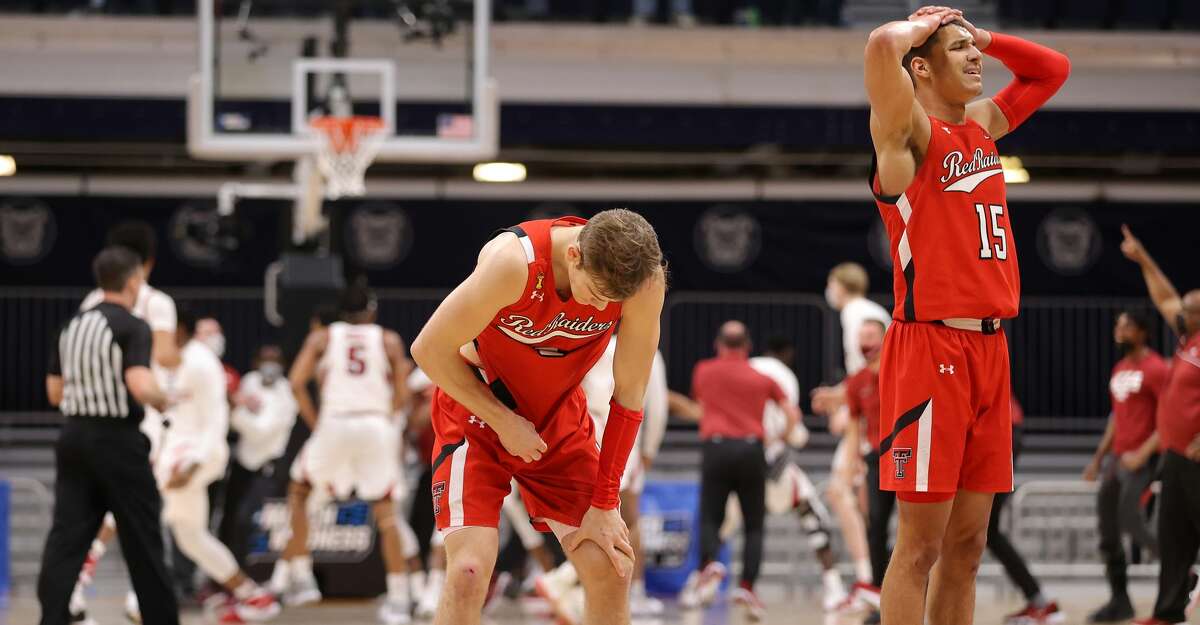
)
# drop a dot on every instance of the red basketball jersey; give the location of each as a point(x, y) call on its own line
point(953, 253)
point(541, 346)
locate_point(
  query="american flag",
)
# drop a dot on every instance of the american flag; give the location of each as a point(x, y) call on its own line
point(455, 126)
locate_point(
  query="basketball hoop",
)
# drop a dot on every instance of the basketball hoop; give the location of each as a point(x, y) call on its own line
point(347, 147)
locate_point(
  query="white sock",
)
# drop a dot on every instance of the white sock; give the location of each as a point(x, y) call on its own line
point(397, 587)
point(416, 584)
point(279, 576)
point(301, 568)
point(862, 570)
point(78, 602)
point(245, 590)
point(833, 582)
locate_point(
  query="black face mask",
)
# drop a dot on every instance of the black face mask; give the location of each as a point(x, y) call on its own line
point(1125, 347)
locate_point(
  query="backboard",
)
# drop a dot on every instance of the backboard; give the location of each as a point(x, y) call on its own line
point(268, 67)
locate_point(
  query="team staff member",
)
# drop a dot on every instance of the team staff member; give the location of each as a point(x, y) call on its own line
point(732, 396)
point(1127, 457)
point(1178, 425)
point(99, 378)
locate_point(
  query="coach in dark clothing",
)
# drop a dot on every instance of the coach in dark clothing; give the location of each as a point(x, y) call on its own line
point(1177, 422)
point(731, 396)
point(99, 377)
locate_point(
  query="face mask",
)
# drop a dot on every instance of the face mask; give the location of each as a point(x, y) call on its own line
point(1125, 347)
point(829, 299)
point(270, 372)
point(215, 342)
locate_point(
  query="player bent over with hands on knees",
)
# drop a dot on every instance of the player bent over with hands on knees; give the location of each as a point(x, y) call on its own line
point(507, 350)
point(945, 415)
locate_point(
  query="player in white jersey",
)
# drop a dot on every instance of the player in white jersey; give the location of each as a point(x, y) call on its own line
point(560, 587)
point(846, 292)
point(157, 309)
point(788, 487)
point(361, 370)
point(193, 455)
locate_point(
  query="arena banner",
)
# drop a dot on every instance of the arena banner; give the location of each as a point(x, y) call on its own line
point(670, 525)
point(347, 560)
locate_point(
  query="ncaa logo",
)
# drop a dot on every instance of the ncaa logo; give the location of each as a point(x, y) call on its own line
point(900, 457)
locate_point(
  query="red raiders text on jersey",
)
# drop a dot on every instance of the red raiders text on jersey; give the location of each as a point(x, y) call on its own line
point(952, 246)
point(540, 347)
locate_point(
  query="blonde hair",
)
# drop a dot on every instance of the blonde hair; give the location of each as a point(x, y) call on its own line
point(852, 277)
point(620, 250)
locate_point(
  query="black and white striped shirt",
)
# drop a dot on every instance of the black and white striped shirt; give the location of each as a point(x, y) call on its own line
point(95, 348)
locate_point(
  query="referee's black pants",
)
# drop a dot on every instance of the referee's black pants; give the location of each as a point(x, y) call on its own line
point(1179, 527)
point(104, 466)
point(733, 466)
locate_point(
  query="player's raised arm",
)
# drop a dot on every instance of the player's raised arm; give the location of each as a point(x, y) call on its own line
point(897, 119)
point(498, 280)
point(1038, 73)
point(302, 372)
point(393, 345)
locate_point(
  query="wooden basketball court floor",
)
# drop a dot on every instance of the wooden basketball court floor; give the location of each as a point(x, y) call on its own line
point(1077, 599)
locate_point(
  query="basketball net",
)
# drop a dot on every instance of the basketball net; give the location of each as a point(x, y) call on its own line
point(347, 147)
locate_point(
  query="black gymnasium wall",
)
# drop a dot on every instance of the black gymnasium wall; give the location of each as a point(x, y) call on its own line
point(1064, 248)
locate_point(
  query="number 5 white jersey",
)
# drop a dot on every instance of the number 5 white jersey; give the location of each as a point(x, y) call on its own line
point(356, 376)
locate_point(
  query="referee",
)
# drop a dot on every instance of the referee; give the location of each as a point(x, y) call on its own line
point(99, 377)
point(732, 396)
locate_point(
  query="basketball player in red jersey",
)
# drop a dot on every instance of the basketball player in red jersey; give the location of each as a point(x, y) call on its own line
point(945, 415)
point(507, 350)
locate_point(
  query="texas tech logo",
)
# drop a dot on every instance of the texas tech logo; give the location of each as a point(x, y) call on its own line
point(439, 489)
point(900, 457)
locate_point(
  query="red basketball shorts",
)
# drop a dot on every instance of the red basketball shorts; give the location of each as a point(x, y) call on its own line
point(472, 471)
point(945, 416)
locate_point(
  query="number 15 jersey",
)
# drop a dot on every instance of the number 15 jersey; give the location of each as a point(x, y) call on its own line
point(355, 372)
point(952, 247)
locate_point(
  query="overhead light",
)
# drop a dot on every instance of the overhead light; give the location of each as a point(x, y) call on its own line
point(8, 165)
point(1014, 170)
point(499, 172)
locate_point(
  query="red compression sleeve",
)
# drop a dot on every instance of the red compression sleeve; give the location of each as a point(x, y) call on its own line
point(619, 435)
point(1038, 72)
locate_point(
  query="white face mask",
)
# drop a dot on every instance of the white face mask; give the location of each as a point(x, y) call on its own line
point(829, 298)
point(270, 372)
point(215, 342)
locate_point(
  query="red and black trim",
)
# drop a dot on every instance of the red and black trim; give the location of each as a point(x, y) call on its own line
point(908, 418)
point(871, 182)
point(910, 280)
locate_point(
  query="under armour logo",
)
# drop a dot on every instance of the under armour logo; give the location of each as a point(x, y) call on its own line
point(900, 457)
point(537, 295)
point(946, 369)
point(476, 421)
